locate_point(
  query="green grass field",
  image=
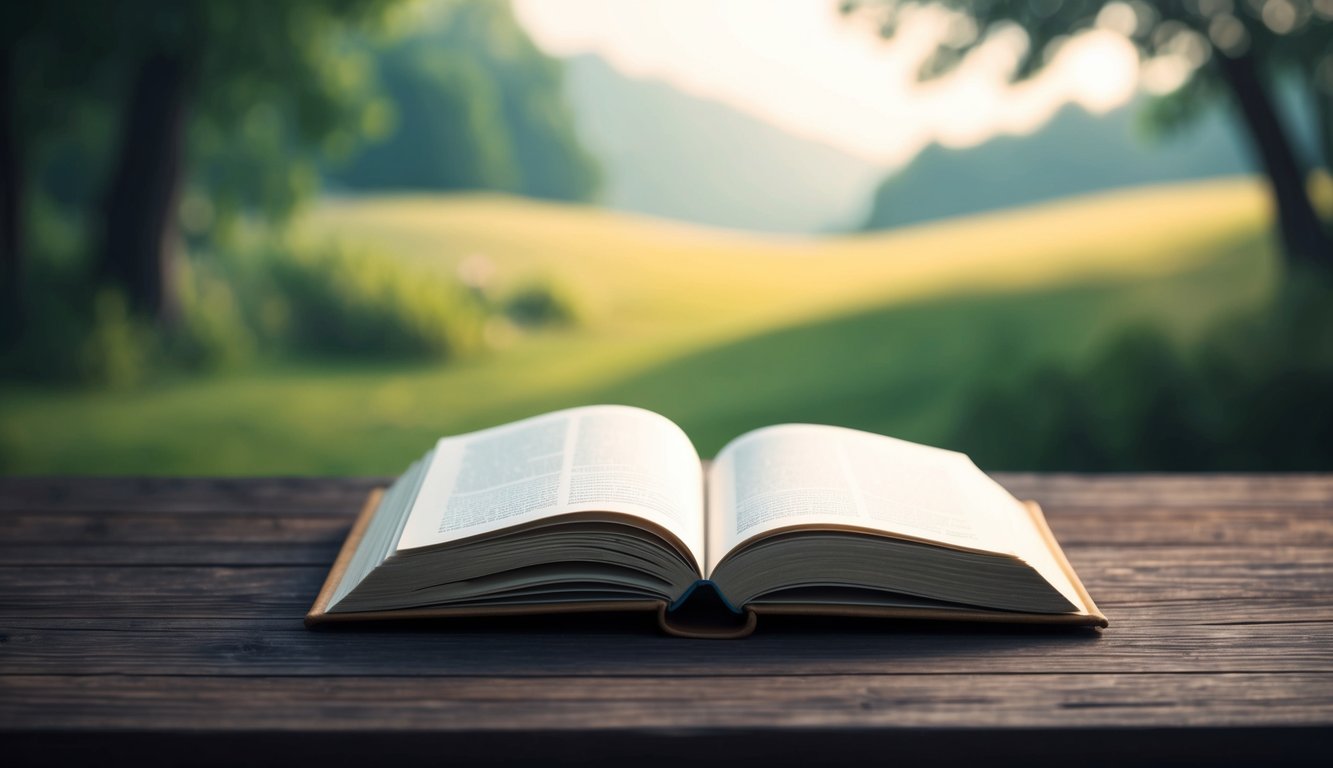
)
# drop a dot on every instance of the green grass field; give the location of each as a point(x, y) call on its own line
point(720, 331)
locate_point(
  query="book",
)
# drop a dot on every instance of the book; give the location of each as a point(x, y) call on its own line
point(609, 507)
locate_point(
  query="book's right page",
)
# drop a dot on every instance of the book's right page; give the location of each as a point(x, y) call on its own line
point(796, 476)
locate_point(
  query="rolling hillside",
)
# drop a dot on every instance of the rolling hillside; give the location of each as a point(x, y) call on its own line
point(1075, 153)
point(670, 154)
point(718, 330)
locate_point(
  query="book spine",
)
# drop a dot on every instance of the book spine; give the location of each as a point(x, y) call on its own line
point(704, 612)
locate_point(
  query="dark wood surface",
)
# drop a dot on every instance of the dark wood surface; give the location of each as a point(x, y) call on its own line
point(159, 621)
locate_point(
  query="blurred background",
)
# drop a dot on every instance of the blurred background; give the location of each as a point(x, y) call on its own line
point(244, 237)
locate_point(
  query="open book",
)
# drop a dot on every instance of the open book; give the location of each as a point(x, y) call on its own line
point(609, 507)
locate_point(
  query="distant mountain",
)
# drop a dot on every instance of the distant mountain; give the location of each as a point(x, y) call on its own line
point(1074, 153)
point(666, 153)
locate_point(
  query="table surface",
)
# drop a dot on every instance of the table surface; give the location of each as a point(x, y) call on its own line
point(161, 618)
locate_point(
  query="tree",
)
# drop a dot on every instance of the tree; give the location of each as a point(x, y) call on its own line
point(448, 130)
point(172, 71)
point(552, 160)
point(223, 62)
point(1242, 48)
point(11, 238)
point(17, 20)
point(41, 86)
point(478, 106)
point(138, 244)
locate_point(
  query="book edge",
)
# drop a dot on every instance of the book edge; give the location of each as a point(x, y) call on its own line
point(445, 612)
point(1039, 520)
point(319, 610)
point(1089, 616)
point(319, 614)
point(932, 614)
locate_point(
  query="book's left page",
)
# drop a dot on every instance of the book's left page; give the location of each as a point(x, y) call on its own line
point(615, 459)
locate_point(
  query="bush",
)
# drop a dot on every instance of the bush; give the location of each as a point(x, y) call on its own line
point(118, 347)
point(1253, 394)
point(57, 318)
point(539, 302)
point(274, 297)
point(247, 291)
point(72, 331)
point(212, 332)
point(342, 300)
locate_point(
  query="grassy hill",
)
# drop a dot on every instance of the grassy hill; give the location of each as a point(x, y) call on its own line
point(719, 330)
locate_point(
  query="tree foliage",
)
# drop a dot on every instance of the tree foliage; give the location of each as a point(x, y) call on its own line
point(117, 104)
point(156, 122)
point(476, 106)
point(1236, 48)
point(268, 86)
point(1291, 36)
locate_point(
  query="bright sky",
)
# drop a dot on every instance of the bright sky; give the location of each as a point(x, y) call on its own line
point(803, 66)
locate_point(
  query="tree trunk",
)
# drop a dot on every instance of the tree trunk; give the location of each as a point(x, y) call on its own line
point(1324, 109)
point(1324, 113)
point(11, 211)
point(1302, 233)
point(139, 225)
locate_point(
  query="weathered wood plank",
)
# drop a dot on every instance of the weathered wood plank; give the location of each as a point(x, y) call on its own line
point(1202, 573)
point(632, 647)
point(131, 537)
point(1220, 490)
point(166, 591)
point(467, 704)
point(1204, 525)
point(1026, 747)
point(319, 551)
point(1198, 575)
point(46, 537)
point(316, 545)
point(163, 554)
point(1167, 613)
point(134, 527)
point(150, 607)
point(185, 495)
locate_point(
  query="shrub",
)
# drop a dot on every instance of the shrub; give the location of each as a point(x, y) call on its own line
point(1253, 394)
point(118, 347)
point(539, 302)
point(211, 332)
point(74, 332)
point(344, 300)
point(275, 297)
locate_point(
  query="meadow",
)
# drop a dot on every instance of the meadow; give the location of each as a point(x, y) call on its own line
point(721, 331)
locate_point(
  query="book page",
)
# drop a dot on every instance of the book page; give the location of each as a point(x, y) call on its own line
point(832, 477)
point(604, 458)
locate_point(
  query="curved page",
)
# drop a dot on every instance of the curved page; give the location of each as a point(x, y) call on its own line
point(833, 478)
point(605, 458)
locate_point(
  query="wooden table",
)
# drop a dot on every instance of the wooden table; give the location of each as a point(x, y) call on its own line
point(159, 620)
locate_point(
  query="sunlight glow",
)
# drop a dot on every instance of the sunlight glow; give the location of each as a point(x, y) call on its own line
point(807, 69)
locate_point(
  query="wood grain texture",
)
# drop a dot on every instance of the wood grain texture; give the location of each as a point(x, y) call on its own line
point(470, 704)
point(161, 618)
point(1260, 579)
point(632, 647)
